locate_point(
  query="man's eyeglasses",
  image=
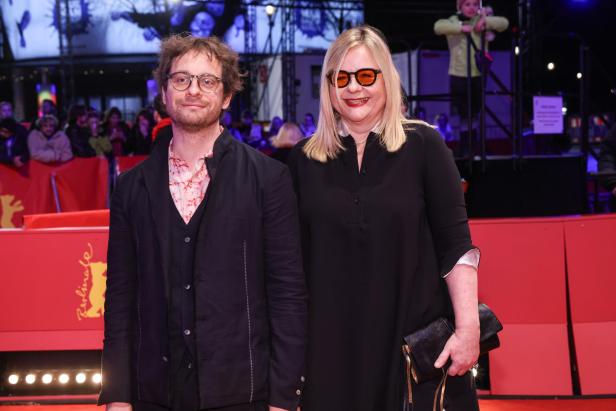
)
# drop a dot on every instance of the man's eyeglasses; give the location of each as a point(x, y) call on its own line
point(181, 81)
point(365, 77)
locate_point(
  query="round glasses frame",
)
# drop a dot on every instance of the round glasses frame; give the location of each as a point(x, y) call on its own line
point(181, 81)
point(334, 81)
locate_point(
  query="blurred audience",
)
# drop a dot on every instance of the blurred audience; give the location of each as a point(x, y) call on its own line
point(47, 143)
point(308, 127)
point(441, 121)
point(288, 136)
point(13, 144)
point(139, 141)
point(227, 122)
point(78, 131)
point(98, 140)
point(116, 129)
point(274, 127)
point(161, 118)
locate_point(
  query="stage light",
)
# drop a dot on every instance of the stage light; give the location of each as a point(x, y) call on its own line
point(80, 378)
point(30, 379)
point(270, 9)
point(551, 66)
point(516, 50)
point(97, 378)
point(63, 378)
point(47, 378)
point(474, 371)
point(13, 379)
point(579, 76)
point(564, 111)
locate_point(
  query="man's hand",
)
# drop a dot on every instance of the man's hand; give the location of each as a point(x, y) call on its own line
point(463, 349)
point(119, 406)
point(466, 28)
point(17, 161)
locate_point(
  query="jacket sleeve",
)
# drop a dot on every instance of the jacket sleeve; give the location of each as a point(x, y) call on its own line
point(119, 303)
point(446, 209)
point(496, 23)
point(447, 26)
point(286, 289)
point(39, 148)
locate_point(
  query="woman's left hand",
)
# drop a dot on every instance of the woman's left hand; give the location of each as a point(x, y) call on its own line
point(463, 349)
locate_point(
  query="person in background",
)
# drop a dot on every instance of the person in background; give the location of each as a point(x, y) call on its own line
point(161, 118)
point(13, 144)
point(139, 141)
point(441, 122)
point(308, 127)
point(251, 132)
point(420, 113)
point(404, 105)
point(49, 107)
point(116, 129)
point(98, 140)
point(468, 23)
point(227, 122)
point(288, 136)
point(47, 143)
point(387, 247)
point(274, 127)
point(78, 131)
point(6, 112)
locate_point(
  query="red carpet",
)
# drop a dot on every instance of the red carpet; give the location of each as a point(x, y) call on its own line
point(486, 405)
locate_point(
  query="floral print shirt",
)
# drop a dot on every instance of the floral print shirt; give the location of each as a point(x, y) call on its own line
point(187, 184)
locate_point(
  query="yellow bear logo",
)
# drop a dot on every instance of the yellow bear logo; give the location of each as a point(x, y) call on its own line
point(8, 207)
point(93, 286)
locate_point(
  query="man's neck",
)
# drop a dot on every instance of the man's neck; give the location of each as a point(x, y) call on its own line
point(191, 146)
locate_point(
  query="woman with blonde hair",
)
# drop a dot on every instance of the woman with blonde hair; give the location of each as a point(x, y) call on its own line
point(386, 242)
point(288, 136)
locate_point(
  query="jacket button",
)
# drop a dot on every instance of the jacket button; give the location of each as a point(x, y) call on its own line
point(186, 332)
point(165, 359)
point(187, 240)
point(356, 200)
point(187, 287)
point(298, 392)
point(302, 378)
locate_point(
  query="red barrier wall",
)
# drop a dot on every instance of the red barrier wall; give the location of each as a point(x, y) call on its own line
point(591, 267)
point(81, 183)
point(522, 278)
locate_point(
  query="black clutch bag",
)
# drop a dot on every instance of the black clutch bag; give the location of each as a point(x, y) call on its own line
point(422, 348)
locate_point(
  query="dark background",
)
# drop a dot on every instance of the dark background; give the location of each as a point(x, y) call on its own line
point(557, 27)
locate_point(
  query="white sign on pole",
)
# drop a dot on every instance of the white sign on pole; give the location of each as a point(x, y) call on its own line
point(548, 115)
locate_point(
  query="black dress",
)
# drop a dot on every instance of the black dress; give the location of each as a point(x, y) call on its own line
point(376, 244)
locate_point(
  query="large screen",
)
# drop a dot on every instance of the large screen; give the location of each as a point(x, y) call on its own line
point(100, 27)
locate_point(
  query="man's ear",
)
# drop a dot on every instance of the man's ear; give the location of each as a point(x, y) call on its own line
point(226, 101)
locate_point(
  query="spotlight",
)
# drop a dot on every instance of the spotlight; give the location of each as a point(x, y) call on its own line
point(516, 50)
point(270, 9)
point(564, 110)
point(579, 76)
point(80, 378)
point(30, 379)
point(47, 378)
point(13, 379)
point(474, 371)
point(63, 378)
point(551, 66)
point(97, 378)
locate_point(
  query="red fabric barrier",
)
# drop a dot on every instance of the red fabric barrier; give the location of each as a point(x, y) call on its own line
point(81, 183)
point(592, 283)
point(522, 278)
point(126, 163)
point(53, 287)
point(94, 218)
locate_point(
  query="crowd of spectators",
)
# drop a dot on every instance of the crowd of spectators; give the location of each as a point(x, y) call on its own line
point(86, 132)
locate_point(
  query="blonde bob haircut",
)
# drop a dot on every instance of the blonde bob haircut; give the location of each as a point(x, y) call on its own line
point(326, 144)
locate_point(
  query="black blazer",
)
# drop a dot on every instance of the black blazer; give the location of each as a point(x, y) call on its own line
point(250, 293)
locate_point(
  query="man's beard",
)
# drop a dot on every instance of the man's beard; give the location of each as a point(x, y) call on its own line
point(194, 121)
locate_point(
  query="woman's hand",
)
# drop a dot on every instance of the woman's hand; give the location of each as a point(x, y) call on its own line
point(463, 349)
point(119, 406)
